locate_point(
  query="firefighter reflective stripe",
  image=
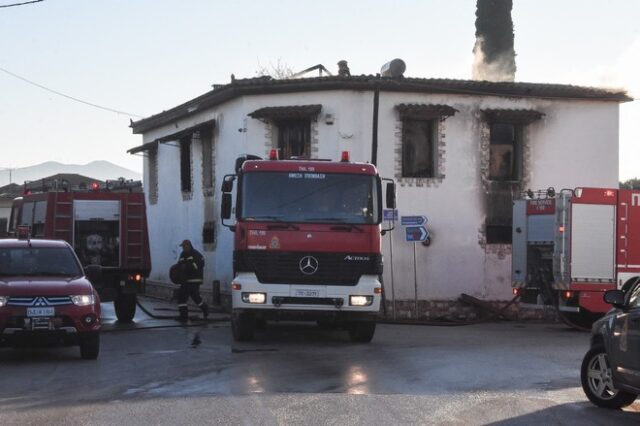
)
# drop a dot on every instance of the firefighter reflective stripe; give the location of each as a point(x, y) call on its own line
point(195, 280)
point(195, 265)
point(182, 305)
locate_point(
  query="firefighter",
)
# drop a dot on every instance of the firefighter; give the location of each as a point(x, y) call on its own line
point(191, 265)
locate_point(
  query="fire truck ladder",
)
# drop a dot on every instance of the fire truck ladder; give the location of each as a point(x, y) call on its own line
point(134, 247)
point(62, 219)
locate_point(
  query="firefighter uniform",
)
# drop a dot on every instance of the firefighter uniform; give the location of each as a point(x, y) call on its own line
point(191, 265)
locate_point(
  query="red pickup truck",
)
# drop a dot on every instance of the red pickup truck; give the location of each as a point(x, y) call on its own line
point(45, 297)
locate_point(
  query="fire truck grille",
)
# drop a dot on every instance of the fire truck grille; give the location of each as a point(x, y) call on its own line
point(308, 268)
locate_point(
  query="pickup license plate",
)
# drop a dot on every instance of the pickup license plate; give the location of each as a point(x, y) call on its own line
point(41, 312)
point(307, 293)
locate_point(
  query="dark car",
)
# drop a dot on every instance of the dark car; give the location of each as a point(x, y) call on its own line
point(611, 369)
point(45, 298)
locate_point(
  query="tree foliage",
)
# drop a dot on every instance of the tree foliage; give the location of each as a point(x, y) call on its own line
point(630, 184)
point(279, 70)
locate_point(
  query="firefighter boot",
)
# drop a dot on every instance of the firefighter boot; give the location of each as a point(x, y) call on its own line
point(205, 310)
point(184, 314)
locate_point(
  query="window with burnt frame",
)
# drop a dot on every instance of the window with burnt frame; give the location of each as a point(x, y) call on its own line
point(294, 138)
point(152, 158)
point(418, 148)
point(505, 152)
point(185, 164)
point(206, 138)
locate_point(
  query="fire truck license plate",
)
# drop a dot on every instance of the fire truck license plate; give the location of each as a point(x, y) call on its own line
point(307, 293)
point(40, 312)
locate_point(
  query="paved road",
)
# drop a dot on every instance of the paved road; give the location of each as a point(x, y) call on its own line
point(501, 373)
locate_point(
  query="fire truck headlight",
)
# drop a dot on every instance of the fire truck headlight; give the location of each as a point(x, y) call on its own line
point(83, 300)
point(3, 301)
point(360, 300)
point(256, 298)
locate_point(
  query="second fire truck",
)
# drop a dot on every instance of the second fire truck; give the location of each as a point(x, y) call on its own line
point(571, 246)
point(106, 225)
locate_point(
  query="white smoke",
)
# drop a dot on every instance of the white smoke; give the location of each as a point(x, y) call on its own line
point(498, 70)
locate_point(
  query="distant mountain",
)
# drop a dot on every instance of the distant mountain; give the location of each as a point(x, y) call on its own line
point(101, 170)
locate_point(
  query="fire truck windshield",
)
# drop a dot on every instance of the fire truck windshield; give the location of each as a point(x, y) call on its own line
point(309, 197)
point(41, 261)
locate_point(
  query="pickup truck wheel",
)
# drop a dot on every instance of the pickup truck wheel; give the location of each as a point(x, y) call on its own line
point(125, 305)
point(90, 346)
point(242, 327)
point(362, 331)
point(595, 375)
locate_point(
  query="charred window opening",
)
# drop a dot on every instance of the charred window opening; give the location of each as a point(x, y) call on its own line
point(421, 148)
point(505, 152)
point(185, 164)
point(499, 234)
point(153, 175)
point(418, 148)
point(292, 126)
point(206, 137)
point(208, 233)
point(294, 138)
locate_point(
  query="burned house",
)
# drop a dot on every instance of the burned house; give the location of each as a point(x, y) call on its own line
point(459, 151)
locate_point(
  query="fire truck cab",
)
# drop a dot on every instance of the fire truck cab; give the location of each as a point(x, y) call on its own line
point(105, 224)
point(307, 243)
point(572, 246)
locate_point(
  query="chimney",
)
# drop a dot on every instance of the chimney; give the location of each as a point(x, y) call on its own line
point(494, 55)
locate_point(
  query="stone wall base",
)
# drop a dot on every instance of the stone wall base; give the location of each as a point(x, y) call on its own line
point(454, 310)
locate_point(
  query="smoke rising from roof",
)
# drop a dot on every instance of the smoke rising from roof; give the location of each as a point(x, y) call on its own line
point(495, 57)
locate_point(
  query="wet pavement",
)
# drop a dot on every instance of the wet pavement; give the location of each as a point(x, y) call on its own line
point(158, 372)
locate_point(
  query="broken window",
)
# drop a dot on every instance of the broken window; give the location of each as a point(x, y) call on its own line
point(418, 148)
point(421, 147)
point(185, 164)
point(505, 152)
point(292, 125)
point(206, 137)
point(294, 138)
point(153, 174)
point(208, 232)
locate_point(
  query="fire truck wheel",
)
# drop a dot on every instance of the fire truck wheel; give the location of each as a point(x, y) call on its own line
point(242, 327)
point(362, 331)
point(90, 346)
point(595, 375)
point(125, 305)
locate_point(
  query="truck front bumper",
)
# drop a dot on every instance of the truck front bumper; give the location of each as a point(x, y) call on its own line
point(250, 294)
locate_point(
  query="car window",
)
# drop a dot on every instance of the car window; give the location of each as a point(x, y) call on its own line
point(634, 297)
point(20, 261)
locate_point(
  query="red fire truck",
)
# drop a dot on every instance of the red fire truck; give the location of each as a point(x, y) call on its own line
point(106, 225)
point(307, 243)
point(572, 246)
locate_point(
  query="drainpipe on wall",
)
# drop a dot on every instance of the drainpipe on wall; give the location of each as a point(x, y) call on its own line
point(374, 133)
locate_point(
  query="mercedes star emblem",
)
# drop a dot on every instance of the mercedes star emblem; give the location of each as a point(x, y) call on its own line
point(308, 265)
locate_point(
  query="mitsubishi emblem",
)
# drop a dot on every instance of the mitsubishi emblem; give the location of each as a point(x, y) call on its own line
point(308, 265)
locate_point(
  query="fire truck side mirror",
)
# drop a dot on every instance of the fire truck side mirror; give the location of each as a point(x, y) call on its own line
point(391, 195)
point(93, 273)
point(225, 209)
point(227, 183)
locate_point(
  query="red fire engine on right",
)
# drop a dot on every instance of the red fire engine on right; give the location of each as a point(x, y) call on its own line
point(571, 246)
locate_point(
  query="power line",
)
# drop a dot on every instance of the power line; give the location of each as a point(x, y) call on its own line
point(67, 96)
point(20, 4)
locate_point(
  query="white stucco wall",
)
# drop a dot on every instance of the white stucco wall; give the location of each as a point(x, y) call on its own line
point(574, 144)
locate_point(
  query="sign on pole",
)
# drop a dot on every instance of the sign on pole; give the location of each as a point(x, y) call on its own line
point(413, 220)
point(390, 214)
point(416, 233)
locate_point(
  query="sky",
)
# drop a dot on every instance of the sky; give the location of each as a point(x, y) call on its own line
point(141, 57)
